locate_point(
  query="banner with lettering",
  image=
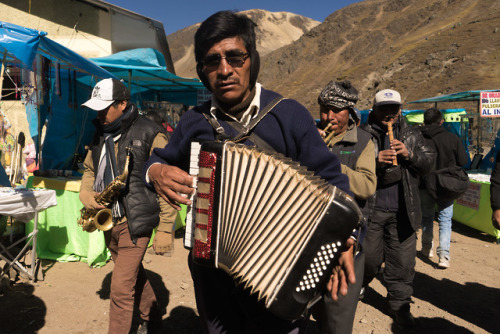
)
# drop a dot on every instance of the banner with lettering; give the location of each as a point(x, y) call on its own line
point(490, 104)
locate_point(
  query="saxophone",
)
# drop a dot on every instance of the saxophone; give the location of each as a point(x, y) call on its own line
point(102, 219)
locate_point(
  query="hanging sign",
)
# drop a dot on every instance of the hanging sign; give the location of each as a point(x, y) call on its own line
point(490, 104)
point(472, 197)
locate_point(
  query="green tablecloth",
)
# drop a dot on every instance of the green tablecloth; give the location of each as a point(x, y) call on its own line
point(59, 237)
point(474, 209)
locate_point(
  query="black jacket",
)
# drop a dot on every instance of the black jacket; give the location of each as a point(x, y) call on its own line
point(141, 205)
point(420, 163)
point(449, 148)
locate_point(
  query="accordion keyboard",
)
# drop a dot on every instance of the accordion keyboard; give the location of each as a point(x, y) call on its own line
point(191, 209)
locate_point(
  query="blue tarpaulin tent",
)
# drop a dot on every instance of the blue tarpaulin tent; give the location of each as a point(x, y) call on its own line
point(55, 82)
point(145, 72)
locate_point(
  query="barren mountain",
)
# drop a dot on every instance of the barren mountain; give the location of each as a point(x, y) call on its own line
point(421, 48)
point(274, 30)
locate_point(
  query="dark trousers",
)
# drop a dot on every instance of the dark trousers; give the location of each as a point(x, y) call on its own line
point(129, 284)
point(225, 308)
point(391, 239)
point(337, 317)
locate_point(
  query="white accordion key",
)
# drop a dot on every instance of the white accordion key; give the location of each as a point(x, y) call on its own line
point(191, 209)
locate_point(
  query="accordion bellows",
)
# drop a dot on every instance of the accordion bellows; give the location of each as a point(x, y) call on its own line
point(271, 224)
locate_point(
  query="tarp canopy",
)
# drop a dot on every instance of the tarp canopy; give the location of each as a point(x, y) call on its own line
point(471, 95)
point(20, 45)
point(145, 72)
point(59, 82)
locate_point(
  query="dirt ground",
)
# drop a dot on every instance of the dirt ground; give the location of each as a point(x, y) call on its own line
point(74, 298)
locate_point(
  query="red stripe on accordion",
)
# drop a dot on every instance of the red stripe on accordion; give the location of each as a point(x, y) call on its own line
point(203, 195)
point(203, 179)
point(203, 211)
point(202, 249)
point(201, 226)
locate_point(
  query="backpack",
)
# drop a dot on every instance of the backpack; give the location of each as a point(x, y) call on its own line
point(447, 184)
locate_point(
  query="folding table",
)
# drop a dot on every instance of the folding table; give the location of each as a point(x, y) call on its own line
point(24, 205)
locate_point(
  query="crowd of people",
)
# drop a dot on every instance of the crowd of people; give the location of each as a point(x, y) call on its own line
point(385, 165)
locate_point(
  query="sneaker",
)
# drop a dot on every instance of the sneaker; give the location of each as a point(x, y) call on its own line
point(444, 263)
point(427, 252)
point(403, 317)
point(362, 293)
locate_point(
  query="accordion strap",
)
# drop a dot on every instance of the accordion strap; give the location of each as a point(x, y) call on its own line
point(245, 130)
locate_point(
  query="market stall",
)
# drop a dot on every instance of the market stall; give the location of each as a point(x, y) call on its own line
point(60, 237)
point(53, 82)
point(479, 130)
point(473, 208)
point(24, 205)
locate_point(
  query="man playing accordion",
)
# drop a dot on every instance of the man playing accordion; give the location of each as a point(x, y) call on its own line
point(228, 65)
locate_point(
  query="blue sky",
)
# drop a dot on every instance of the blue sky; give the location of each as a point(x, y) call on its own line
point(178, 14)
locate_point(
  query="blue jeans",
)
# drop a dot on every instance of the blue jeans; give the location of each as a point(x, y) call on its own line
point(445, 213)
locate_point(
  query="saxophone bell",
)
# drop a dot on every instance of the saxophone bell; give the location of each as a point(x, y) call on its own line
point(103, 220)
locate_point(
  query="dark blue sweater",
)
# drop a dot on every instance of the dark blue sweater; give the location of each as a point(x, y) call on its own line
point(288, 128)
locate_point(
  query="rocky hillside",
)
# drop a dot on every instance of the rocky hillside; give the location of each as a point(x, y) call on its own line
point(274, 30)
point(421, 48)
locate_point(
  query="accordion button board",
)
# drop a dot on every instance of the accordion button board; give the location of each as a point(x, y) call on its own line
point(272, 225)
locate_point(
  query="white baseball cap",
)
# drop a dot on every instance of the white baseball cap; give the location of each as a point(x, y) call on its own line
point(105, 93)
point(387, 96)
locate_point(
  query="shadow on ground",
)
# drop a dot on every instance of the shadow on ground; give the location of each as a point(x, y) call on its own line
point(472, 302)
point(181, 320)
point(21, 312)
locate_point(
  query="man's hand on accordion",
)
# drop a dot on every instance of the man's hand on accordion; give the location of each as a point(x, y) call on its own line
point(343, 274)
point(171, 183)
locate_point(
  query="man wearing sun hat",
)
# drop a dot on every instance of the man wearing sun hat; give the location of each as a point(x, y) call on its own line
point(136, 211)
point(396, 214)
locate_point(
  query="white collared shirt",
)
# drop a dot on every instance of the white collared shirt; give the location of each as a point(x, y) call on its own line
point(249, 114)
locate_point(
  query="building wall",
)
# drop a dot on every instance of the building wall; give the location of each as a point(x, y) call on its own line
point(91, 28)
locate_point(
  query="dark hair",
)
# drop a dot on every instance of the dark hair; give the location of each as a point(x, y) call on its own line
point(222, 25)
point(432, 116)
point(116, 103)
point(155, 117)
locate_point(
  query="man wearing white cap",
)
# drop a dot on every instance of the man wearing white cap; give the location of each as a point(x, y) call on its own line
point(135, 210)
point(402, 156)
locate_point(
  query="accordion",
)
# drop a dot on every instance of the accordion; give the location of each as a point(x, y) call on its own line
point(272, 225)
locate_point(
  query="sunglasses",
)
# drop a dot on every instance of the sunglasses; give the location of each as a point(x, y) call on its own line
point(233, 58)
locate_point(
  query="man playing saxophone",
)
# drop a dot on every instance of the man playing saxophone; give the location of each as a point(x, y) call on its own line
point(122, 133)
